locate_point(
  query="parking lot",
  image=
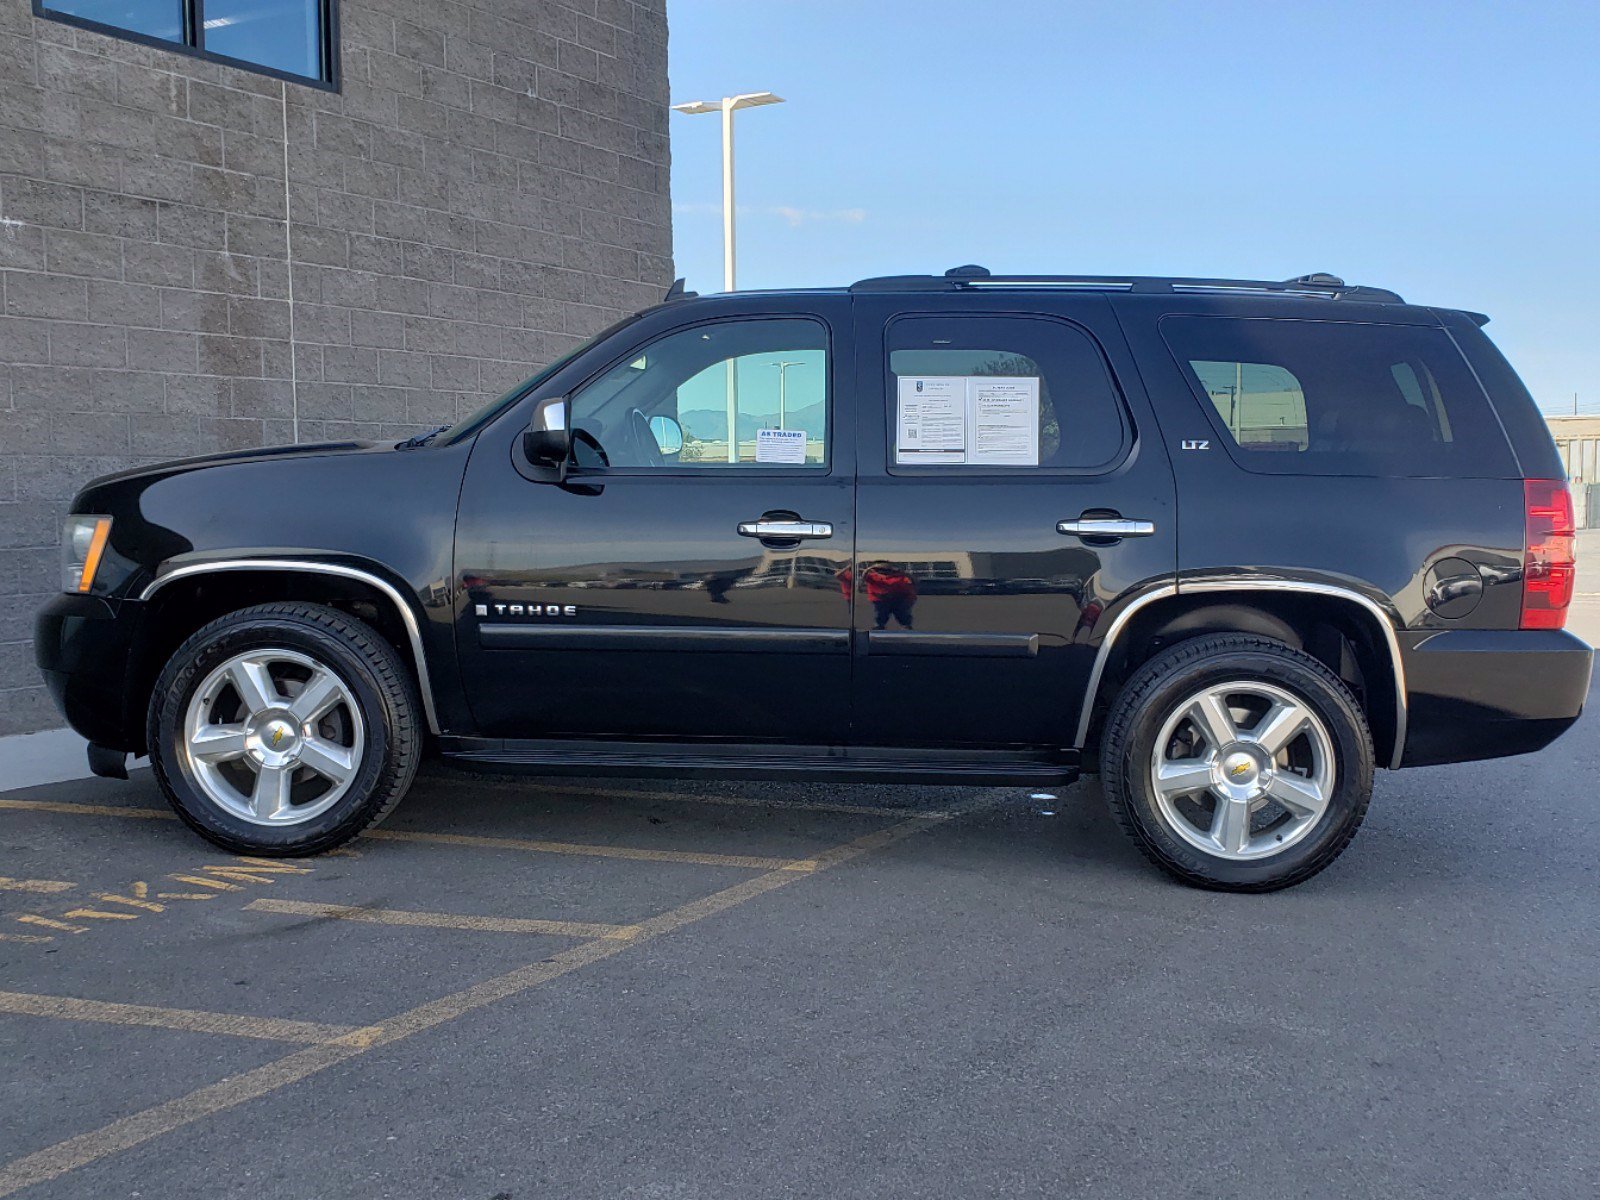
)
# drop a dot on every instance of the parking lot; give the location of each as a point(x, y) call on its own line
point(595, 988)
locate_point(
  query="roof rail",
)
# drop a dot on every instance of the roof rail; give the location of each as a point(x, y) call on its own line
point(972, 277)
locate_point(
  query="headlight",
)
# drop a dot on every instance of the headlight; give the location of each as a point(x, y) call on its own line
point(83, 544)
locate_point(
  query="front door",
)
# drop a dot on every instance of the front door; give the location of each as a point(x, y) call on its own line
point(690, 579)
point(995, 447)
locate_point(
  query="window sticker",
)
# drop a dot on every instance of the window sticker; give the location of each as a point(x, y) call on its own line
point(781, 446)
point(973, 420)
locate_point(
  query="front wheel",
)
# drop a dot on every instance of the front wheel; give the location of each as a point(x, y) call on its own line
point(284, 729)
point(1238, 763)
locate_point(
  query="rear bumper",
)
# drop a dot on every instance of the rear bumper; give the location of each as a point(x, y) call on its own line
point(1475, 694)
point(84, 648)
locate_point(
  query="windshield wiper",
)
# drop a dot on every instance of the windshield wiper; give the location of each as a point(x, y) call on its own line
point(421, 439)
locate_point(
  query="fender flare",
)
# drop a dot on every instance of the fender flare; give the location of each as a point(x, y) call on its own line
point(408, 616)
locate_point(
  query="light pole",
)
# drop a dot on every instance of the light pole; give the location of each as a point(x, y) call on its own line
point(727, 106)
point(783, 366)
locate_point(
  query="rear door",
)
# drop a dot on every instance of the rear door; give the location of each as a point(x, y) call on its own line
point(680, 584)
point(1011, 490)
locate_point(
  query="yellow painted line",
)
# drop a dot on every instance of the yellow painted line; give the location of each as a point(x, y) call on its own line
point(749, 862)
point(555, 789)
point(90, 810)
point(71, 1008)
point(438, 920)
point(27, 937)
point(35, 885)
point(55, 1161)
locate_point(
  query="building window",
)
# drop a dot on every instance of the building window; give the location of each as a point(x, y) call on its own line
point(291, 39)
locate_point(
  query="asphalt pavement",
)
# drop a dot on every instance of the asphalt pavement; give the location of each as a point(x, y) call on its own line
point(670, 991)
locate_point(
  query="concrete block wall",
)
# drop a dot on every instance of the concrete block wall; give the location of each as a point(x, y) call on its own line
point(487, 187)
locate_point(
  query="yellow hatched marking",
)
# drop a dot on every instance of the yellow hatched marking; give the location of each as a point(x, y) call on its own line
point(234, 1024)
point(197, 881)
point(438, 920)
point(35, 885)
point(27, 937)
point(131, 901)
point(55, 1161)
point(84, 914)
point(242, 875)
point(52, 923)
point(749, 862)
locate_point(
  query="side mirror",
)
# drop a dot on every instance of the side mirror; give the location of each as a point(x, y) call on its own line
point(547, 443)
point(668, 434)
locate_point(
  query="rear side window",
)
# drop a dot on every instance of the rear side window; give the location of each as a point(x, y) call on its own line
point(1340, 398)
point(976, 393)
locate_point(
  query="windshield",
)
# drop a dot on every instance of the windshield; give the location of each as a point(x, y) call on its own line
point(471, 424)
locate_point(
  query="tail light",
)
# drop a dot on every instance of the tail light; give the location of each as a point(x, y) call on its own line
point(1549, 561)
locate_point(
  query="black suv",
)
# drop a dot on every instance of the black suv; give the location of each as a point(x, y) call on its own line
point(1231, 544)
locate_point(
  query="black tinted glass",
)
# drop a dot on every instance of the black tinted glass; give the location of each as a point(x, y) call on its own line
point(153, 18)
point(1337, 398)
point(283, 34)
point(1080, 420)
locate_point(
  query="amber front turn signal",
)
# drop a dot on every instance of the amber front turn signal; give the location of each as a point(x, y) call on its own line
point(83, 545)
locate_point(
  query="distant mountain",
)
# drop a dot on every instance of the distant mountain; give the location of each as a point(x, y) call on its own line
point(711, 425)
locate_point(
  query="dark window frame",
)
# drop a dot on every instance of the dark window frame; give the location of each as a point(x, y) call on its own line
point(1129, 431)
point(192, 23)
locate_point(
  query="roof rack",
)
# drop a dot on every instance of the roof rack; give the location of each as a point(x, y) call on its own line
point(971, 277)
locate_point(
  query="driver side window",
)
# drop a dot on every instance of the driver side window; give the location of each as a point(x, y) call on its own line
point(674, 402)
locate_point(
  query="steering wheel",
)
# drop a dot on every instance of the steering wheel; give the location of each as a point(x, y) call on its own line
point(647, 451)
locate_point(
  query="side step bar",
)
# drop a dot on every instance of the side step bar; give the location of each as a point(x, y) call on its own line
point(822, 764)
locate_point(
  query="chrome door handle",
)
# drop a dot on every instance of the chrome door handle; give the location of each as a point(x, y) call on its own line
point(785, 529)
point(1107, 527)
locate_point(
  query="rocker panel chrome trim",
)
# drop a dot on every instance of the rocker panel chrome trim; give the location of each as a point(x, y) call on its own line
point(407, 616)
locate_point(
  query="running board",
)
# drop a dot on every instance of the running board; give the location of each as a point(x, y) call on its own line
point(721, 760)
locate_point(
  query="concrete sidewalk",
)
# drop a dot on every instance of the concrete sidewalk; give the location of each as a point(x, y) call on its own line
point(32, 759)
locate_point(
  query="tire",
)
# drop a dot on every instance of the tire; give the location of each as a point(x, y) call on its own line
point(1233, 833)
point(340, 770)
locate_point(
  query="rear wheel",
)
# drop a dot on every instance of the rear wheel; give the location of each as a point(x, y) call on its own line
point(1238, 763)
point(284, 729)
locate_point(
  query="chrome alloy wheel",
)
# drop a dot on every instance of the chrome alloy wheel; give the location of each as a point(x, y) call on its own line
point(273, 737)
point(1242, 770)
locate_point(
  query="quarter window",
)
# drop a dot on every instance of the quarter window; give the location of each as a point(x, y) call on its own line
point(998, 393)
point(288, 38)
point(673, 404)
point(1335, 397)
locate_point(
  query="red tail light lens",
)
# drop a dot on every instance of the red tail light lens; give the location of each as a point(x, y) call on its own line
point(1549, 562)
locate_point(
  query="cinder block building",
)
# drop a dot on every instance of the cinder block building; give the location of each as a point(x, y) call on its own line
point(231, 223)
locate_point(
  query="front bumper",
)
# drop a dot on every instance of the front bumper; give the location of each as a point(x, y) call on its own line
point(84, 646)
point(1474, 694)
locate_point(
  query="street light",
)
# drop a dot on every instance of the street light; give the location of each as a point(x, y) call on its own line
point(727, 106)
point(783, 366)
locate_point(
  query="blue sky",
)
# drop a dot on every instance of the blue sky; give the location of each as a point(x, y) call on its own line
point(1450, 151)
